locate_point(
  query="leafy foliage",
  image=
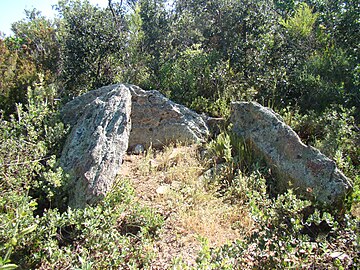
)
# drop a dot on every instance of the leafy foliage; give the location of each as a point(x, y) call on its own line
point(135, 69)
point(116, 233)
point(91, 38)
point(298, 57)
point(302, 22)
point(17, 73)
point(29, 176)
point(39, 37)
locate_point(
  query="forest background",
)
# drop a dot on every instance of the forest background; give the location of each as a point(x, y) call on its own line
point(300, 58)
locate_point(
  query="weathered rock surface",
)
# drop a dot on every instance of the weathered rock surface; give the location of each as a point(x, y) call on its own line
point(308, 171)
point(93, 152)
point(100, 135)
point(157, 121)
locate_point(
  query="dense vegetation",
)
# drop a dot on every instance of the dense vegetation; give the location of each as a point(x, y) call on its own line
point(300, 58)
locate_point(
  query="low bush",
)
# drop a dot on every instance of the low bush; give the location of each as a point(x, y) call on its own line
point(30, 179)
point(289, 232)
point(117, 233)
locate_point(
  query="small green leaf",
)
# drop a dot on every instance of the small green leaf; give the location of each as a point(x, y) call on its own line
point(28, 230)
point(8, 266)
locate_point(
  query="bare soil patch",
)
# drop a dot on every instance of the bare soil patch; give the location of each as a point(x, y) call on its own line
point(168, 182)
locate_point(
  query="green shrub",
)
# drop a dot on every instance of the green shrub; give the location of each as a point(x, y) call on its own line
point(117, 232)
point(234, 155)
point(29, 142)
point(289, 232)
point(203, 81)
point(92, 41)
point(17, 71)
point(325, 79)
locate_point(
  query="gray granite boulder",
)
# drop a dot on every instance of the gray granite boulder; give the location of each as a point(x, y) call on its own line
point(94, 149)
point(101, 133)
point(298, 166)
point(157, 121)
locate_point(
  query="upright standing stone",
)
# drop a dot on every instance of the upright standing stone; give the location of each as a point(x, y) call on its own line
point(93, 152)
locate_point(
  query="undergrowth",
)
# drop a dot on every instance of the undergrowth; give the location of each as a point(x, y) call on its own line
point(290, 233)
point(280, 53)
point(220, 193)
point(37, 229)
point(184, 191)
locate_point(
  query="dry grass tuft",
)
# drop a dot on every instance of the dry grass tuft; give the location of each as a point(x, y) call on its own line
point(169, 181)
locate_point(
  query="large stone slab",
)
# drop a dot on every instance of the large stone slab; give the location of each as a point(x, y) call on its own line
point(157, 121)
point(94, 149)
point(100, 135)
point(298, 166)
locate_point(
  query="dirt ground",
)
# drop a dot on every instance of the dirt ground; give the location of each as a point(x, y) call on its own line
point(169, 182)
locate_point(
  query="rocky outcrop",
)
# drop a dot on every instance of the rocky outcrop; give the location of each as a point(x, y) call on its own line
point(157, 121)
point(98, 140)
point(100, 135)
point(102, 132)
point(298, 166)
